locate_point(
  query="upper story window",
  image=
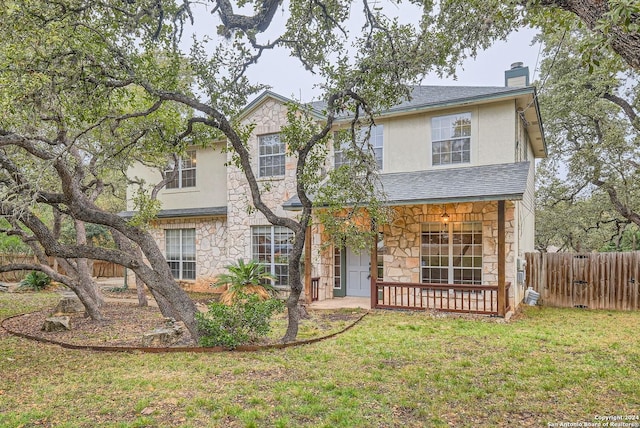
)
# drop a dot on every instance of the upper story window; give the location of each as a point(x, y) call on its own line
point(375, 142)
point(186, 174)
point(451, 139)
point(271, 158)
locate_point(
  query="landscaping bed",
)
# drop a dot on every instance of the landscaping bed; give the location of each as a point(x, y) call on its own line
point(125, 325)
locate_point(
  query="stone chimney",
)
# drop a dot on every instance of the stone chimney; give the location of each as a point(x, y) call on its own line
point(517, 76)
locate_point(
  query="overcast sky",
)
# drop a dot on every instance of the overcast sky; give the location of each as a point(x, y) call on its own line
point(288, 78)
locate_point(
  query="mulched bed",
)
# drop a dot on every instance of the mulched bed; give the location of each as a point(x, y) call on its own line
point(124, 325)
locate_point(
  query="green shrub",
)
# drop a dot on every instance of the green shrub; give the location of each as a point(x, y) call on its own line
point(35, 280)
point(244, 321)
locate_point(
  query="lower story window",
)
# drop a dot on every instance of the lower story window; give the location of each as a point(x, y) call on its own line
point(451, 253)
point(337, 267)
point(271, 246)
point(382, 250)
point(181, 252)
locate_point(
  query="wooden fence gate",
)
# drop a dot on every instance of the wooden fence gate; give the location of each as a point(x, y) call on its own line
point(594, 280)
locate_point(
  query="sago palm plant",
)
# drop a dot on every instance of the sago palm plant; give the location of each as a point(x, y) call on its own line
point(245, 278)
point(34, 280)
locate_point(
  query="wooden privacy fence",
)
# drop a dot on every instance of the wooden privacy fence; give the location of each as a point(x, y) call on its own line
point(594, 280)
point(17, 275)
point(101, 269)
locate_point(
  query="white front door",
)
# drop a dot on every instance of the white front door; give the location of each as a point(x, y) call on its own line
point(358, 274)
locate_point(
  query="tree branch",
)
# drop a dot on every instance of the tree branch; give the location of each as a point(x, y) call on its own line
point(259, 22)
point(626, 108)
point(624, 42)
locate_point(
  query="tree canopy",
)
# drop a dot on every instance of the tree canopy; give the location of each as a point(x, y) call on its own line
point(588, 186)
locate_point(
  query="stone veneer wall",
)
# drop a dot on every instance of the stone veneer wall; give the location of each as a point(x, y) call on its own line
point(268, 118)
point(221, 244)
point(403, 241)
point(211, 253)
point(322, 261)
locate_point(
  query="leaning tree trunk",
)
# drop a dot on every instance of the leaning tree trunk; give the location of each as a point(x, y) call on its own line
point(142, 296)
point(84, 288)
point(163, 304)
point(84, 267)
point(295, 286)
point(90, 305)
point(88, 283)
point(172, 300)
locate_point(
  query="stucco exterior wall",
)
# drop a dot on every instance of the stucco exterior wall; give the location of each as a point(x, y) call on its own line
point(525, 209)
point(407, 139)
point(211, 182)
point(496, 133)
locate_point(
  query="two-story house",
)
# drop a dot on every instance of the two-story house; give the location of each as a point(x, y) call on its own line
point(457, 165)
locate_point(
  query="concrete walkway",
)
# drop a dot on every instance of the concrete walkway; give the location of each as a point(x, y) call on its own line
point(335, 303)
point(342, 302)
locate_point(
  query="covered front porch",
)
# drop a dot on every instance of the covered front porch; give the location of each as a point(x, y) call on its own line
point(451, 245)
point(449, 257)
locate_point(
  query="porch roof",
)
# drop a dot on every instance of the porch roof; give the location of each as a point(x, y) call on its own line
point(467, 184)
point(183, 212)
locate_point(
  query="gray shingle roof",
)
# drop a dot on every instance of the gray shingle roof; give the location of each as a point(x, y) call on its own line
point(477, 183)
point(183, 212)
point(486, 182)
point(431, 96)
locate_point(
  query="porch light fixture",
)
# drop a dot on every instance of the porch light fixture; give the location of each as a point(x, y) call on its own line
point(445, 216)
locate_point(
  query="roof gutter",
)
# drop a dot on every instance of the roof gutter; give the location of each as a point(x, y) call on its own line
point(433, 201)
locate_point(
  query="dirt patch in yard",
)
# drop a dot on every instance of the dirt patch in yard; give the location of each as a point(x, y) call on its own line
point(125, 325)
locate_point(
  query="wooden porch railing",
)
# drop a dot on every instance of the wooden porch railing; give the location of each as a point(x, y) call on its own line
point(507, 306)
point(473, 299)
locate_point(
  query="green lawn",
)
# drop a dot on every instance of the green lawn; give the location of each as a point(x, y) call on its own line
point(393, 369)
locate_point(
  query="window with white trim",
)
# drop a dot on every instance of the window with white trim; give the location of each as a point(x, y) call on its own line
point(186, 174)
point(181, 252)
point(271, 246)
point(337, 267)
point(271, 155)
point(451, 139)
point(451, 253)
point(376, 143)
point(381, 251)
